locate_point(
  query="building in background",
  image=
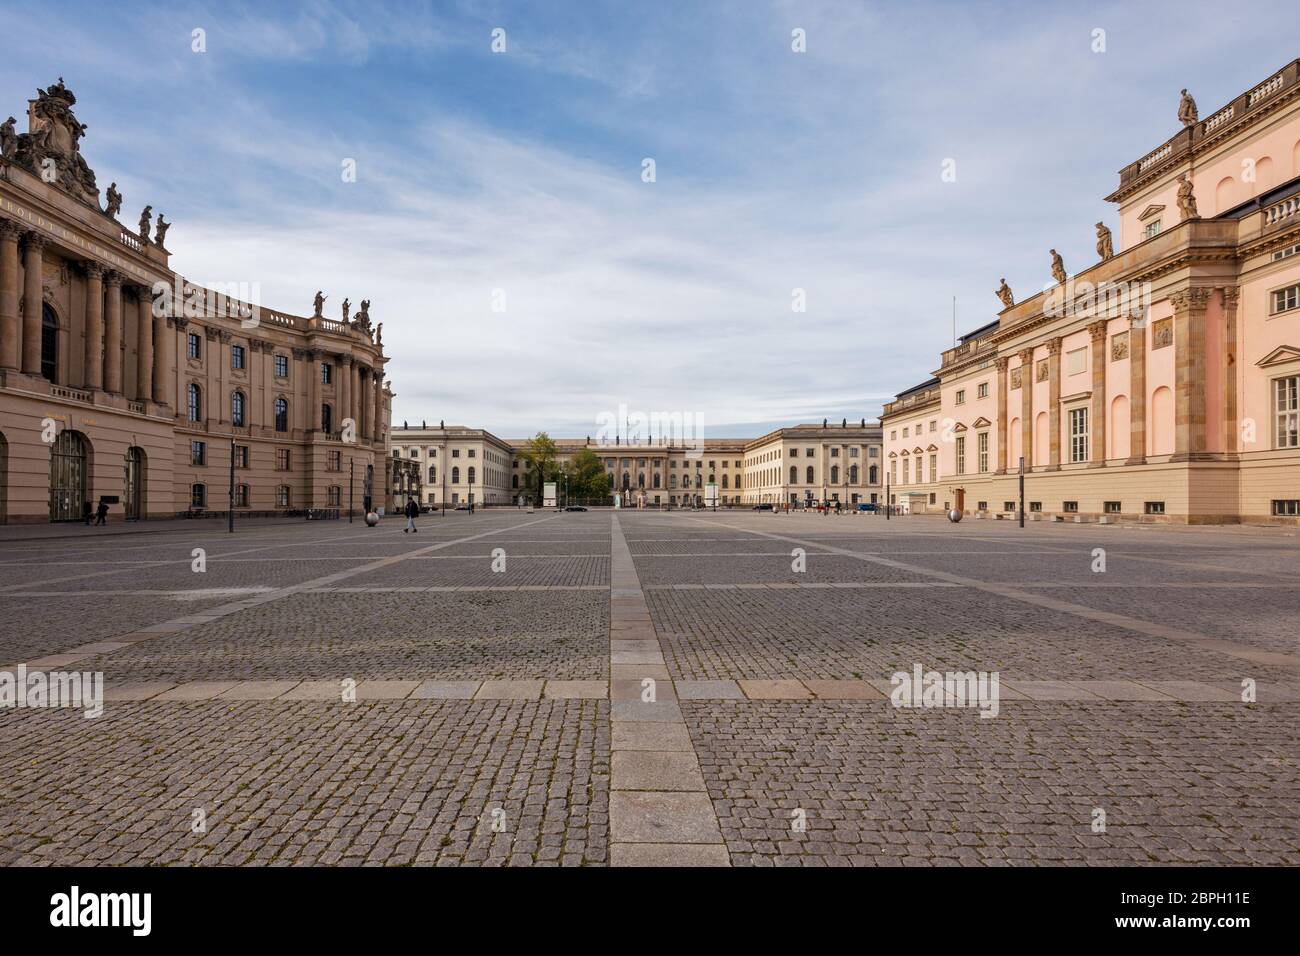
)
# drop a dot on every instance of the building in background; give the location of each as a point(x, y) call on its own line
point(831, 463)
point(1162, 382)
point(120, 379)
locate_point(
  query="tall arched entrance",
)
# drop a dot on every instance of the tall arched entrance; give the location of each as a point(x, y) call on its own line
point(49, 344)
point(133, 483)
point(67, 476)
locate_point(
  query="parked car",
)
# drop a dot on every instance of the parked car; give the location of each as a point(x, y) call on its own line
point(765, 506)
point(866, 506)
point(575, 508)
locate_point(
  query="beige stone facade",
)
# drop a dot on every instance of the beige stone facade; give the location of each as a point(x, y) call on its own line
point(1160, 383)
point(832, 463)
point(121, 379)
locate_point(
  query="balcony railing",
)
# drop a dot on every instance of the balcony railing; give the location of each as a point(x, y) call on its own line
point(1283, 211)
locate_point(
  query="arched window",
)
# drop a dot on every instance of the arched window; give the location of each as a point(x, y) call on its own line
point(853, 474)
point(455, 475)
point(794, 474)
point(326, 419)
point(237, 409)
point(470, 473)
point(656, 479)
point(873, 475)
point(433, 474)
point(281, 415)
point(49, 343)
point(835, 474)
point(810, 474)
point(514, 481)
point(194, 403)
point(724, 481)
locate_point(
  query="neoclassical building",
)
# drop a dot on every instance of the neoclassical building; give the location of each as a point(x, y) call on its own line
point(805, 463)
point(1160, 383)
point(122, 380)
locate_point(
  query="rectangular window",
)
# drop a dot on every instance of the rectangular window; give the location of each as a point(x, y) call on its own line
point(241, 456)
point(982, 390)
point(982, 506)
point(326, 373)
point(893, 472)
point(1078, 434)
point(907, 467)
point(198, 496)
point(961, 454)
point(282, 366)
point(1284, 300)
point(1035, 506)
point(1154, 507)
point(194, 346)
point(282, 496)
point(1076, 361)
point(198, 453)
point(241, 496)
point(236, 356)
point(282, 459)
point(1286, 395)
point(334, 461)
point(983, 443)
point(1289, 507)
point(934, 467)
point(1152, 230)
point(961, 396)
point(1113, 507)
point(904, 431)
point(1008, 506)
point(335, 496)
point(1070, 507)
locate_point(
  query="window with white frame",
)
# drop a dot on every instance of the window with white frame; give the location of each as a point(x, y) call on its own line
point(982, 444)
point(1152, 229)
point(982, 390)
point(1079, 434)
point(1286, 299)
point(1286, 392)
point(961, 454)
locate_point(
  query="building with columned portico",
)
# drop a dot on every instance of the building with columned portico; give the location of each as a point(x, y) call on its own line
point(122, 380)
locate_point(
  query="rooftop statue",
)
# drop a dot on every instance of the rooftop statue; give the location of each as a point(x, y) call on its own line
point(1058, 267)
point(145, 217)
point(1004, 293)
point(51, 147)
point(160, 232)
point(1187, 109)
point(1186, 198)
point(318, 303)
point(1105, 243)
point(114, 205)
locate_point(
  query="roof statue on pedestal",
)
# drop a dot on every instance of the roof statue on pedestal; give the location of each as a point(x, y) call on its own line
point(114, 204)
point(1105, 242)
point(51, 147)
point(1004, 293)
point(145, 218)
point(1187, 109)
point(1058, 267)
point(160, 230)
point(1186, 198)
point(8, 140)
point(362, 320)
point(318, 303)
point(347, 306)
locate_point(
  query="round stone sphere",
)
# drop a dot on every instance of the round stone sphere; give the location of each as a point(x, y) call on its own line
point(954, 515)
point(372, 519)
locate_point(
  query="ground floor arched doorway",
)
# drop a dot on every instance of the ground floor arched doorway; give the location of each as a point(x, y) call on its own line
point(133, 483)
point(67, 476)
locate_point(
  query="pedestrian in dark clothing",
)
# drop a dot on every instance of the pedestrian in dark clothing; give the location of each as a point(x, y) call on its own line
point(101, 514)
point(412, 509)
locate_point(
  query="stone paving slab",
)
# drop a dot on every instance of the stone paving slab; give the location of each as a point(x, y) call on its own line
point(842, 690)
point(509, 690)
point(655, 770)
point(386, 689)
point(259, 689)
point(643, 817)
point(577, 689)
point(446, 690)
point(197, 690)
point(708, 690)
point(669, 854)
point(774, 690)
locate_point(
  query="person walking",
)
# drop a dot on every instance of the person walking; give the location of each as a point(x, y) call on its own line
point(101, 513)
point(412, 509)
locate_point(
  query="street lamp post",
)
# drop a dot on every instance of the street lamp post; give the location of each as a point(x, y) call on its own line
point(351, 480)
point(1022, 491)
point(230, 515)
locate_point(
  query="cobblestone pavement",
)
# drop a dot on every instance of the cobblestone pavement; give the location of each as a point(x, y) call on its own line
point(501, 712)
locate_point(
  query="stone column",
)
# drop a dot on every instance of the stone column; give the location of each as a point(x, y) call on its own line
point(1137, 389)
point(1027, 408)
point(377, 422)
point(354, 395)
point(371, 431)
point(1231, 384)
point(1002, 415)
point(144, 363)
point(1054, 403)
point(313, 365)
point(164, 355)
point(93, 366)
point(10, 330)
point(113, 333)
point(33, 300)
point(1189, 372)
point(1097, 426)
point(343, 391)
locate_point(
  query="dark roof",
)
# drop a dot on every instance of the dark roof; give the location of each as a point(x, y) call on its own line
point(928, 383)
point(979, 333)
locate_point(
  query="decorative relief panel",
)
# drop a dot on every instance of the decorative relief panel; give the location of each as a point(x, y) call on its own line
point(1162, 333)
point(1015, 376)
point(1119, 346)
point(1042, 371)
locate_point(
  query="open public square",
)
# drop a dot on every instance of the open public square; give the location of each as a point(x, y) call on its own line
point(536, 688)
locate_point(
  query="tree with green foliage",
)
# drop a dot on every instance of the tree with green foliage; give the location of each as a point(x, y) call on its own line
point(586, 475)
point(540, 455)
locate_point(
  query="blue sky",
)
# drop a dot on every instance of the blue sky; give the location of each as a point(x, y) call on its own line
point(521, 172)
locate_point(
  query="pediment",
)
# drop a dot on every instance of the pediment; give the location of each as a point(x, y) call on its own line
point(981, 422)
point(959, 427)
point(918, 450)
point(1280, 355)
point(1150, 211)
point(933, 448)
